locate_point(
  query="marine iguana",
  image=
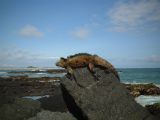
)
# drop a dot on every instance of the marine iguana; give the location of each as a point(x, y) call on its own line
point(86, 60)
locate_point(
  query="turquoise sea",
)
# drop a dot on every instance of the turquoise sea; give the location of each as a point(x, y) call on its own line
point(140, 75)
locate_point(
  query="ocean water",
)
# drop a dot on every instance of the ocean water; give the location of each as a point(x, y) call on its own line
point(140, 75)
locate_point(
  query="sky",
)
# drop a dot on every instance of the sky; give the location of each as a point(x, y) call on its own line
point(39, 32)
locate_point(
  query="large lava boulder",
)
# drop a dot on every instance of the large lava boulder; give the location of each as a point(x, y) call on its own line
point(102, 98)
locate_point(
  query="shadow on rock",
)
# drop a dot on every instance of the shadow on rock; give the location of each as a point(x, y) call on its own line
point(72, 106)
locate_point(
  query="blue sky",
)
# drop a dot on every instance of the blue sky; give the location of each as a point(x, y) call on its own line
point(38, 32)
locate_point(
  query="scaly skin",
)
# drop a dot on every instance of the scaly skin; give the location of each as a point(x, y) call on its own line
point(86, 60)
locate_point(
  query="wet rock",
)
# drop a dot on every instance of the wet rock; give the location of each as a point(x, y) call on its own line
point(55, 102)
point(6, 100)
point(154, 109)
point(47, 115)
point(19, 77)
point(143, 89)
point(29, 87)
point(105, 98)
point(20, 109)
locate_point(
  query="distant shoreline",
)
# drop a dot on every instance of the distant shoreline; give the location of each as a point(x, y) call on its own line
point(25, 68)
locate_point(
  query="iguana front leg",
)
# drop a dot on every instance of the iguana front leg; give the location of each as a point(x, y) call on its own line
point(70, 72)
point(72, 76)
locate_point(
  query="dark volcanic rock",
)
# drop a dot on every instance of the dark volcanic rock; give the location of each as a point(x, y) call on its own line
point(143, 89)
point(6, 100)
point(47, 115)
point(26, 87)
point(19, 109)
point(154, 109)
point(104, 99)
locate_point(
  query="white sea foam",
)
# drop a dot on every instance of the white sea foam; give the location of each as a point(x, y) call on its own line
point(3, 72)
point(147, 100)
point(134, 82)
point(41, 73)
point(158, 85)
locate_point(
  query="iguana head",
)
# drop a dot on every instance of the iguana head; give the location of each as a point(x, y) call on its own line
point(61, 62)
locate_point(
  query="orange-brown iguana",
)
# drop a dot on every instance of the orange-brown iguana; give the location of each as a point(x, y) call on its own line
point(86, 60)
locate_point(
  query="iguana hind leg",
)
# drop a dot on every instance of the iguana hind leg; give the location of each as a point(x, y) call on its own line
point(91, 69)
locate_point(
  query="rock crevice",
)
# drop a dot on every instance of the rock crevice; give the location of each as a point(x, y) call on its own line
point(72, 106)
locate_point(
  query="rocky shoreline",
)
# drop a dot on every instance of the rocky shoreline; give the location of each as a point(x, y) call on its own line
point(61, 91)
point(13, 92)
point(23, 86)
point(146, 89)
point(143, 89)
point(154, 109)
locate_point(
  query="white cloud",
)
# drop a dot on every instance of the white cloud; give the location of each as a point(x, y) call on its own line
point(13, 54)
point(153, 58)
point(21, 57)
point(6, 65)
point(22, 54)
point(135, 15)
point(30, 31)
point(81, 33)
